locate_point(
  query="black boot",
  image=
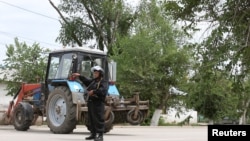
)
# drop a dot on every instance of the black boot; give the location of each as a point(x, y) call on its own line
point(91, 137)
point(99, 137)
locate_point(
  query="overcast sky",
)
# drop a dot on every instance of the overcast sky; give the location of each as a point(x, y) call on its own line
point(29, 20)
point(33, 21)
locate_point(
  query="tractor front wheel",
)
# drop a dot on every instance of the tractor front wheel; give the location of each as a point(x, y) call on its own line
point(22, 116)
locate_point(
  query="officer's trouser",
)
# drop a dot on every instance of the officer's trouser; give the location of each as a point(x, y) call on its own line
point(96, 116)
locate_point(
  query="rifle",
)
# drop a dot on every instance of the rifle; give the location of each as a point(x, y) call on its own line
point(86, 93)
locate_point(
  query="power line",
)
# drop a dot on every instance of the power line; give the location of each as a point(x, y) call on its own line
point(14, 35)
point(6, 3)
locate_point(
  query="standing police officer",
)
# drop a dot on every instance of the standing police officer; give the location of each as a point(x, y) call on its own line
point(97, 90)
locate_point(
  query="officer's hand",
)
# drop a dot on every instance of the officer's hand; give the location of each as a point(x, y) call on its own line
point(91, 92)
point(75, 74)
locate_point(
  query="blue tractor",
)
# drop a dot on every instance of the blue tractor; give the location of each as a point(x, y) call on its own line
point(66, 106)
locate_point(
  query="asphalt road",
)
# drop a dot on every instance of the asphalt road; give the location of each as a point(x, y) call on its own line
point(118, 133)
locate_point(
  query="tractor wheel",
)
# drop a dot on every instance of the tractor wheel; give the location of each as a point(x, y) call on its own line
point(22, 116)
point(107, 127)
point(108, 122)
point(60, 111)
point(134, 120)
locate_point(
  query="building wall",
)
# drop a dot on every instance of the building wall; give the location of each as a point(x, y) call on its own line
point(171, 117)
point(4, 100)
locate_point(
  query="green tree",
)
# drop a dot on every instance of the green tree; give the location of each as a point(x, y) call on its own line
point(211, 94)
point(228, 43)
point(101, 20)
point(151, 60)
point(24, 64)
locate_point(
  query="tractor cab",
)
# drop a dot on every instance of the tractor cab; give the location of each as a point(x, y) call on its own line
point(62, 63)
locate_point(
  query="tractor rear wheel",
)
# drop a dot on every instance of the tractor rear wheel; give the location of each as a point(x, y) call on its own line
point(60, 111)
point(22, 116)
point(109, 122)
point(108, 125)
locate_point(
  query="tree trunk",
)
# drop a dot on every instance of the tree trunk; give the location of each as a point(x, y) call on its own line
point(164, 103)
point(160, 110)
point(156, 117)
point(242, 119)
point(210, 122)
